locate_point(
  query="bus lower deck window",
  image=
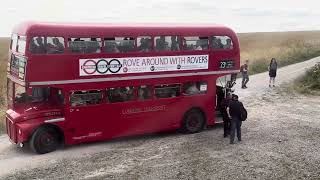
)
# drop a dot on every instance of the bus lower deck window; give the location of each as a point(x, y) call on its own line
point(82, 98)
point(120, 94)
point(167, 91)
point(193, 88)
point(144, 92)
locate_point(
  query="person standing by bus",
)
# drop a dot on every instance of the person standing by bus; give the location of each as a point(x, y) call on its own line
point(273, 66)
point(234, 113)
point(225, 117)
point(245, 75)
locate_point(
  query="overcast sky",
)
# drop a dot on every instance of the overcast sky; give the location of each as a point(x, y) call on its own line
point(241, 15)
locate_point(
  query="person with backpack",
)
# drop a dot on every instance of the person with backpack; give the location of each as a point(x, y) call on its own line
point(273, 66)
point(237, 113)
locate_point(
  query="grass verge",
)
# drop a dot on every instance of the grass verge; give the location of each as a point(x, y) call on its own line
point(310, 82)
point(286, 54)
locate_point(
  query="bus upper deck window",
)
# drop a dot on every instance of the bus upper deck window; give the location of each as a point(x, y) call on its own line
point(21, 44)
point(85, 45)
point(221, 42)
point(167, 43)
point(119, 44)
point(195, 43)
point(37, 45)
point(14, 42)
point(55, 45)
point(144, 43)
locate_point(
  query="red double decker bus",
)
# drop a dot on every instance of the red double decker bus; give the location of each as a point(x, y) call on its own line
point(74, 83)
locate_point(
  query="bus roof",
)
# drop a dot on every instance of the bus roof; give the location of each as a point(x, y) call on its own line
point(90, 29)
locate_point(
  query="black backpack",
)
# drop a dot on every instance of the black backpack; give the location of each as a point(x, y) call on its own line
point(244, 113)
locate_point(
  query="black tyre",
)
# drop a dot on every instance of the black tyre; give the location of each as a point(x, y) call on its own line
point(193, 122)
point(44, 140)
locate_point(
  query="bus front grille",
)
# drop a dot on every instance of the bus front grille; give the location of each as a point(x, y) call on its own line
point(11, 130)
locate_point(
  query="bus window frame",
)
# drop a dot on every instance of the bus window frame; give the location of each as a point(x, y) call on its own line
point(152, 93)
point(220, 49)
point(68, 50)
point(159, 98)
point(135, 95)
point(14, 43)
point(83, 106)
point(192, 95)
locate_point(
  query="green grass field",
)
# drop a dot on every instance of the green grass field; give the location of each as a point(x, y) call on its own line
point(259, 48)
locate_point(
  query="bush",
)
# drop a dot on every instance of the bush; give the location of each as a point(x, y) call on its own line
point(310, 82)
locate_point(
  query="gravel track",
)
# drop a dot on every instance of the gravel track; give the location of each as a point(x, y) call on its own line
point(280, 141)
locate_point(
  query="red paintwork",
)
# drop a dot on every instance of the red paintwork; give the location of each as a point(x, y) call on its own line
point(109, 118)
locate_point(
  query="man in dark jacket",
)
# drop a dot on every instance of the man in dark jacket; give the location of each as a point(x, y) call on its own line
point(223, 109)
point(234, 113)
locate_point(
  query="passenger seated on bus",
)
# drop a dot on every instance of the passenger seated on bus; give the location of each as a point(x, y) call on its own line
point(143, 94)
point(76, 45)
point(112, 47)
point(92, 46)
point(77, 100)
point(198, 45)
point(145, 45)
point(160, 44)
point(40, 47)
point(191, 89)
point(32, 46)
point(216, 43)
point(58, 44)
point(115, 48)
point(127, 44)
point(162, 93)
point(203, 42)
point(174, 43)
point(115, 95)
point(228, 45)
point(175, 91)
point(50, 48)
point(220, 45)
point(55, 48)
point(166, 47)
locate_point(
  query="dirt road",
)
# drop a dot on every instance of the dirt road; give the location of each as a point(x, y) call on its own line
point(280, 140)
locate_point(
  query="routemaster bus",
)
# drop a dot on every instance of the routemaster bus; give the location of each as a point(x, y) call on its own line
point(75, 83)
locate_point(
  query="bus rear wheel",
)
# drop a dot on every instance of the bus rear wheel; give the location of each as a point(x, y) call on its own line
point(194, 121)
point(44, 140)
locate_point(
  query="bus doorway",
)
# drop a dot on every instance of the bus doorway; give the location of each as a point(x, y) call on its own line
point(224, 85)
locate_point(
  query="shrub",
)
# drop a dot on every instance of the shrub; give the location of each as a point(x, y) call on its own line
point(310, 82)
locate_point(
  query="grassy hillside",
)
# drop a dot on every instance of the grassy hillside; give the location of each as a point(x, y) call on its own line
point(286, 47)
point(259, 48)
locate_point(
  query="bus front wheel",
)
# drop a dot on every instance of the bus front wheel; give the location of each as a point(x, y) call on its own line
point(44, 140)
point(194, 121)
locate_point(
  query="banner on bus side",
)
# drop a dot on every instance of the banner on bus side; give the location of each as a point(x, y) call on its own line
point(102, 66)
